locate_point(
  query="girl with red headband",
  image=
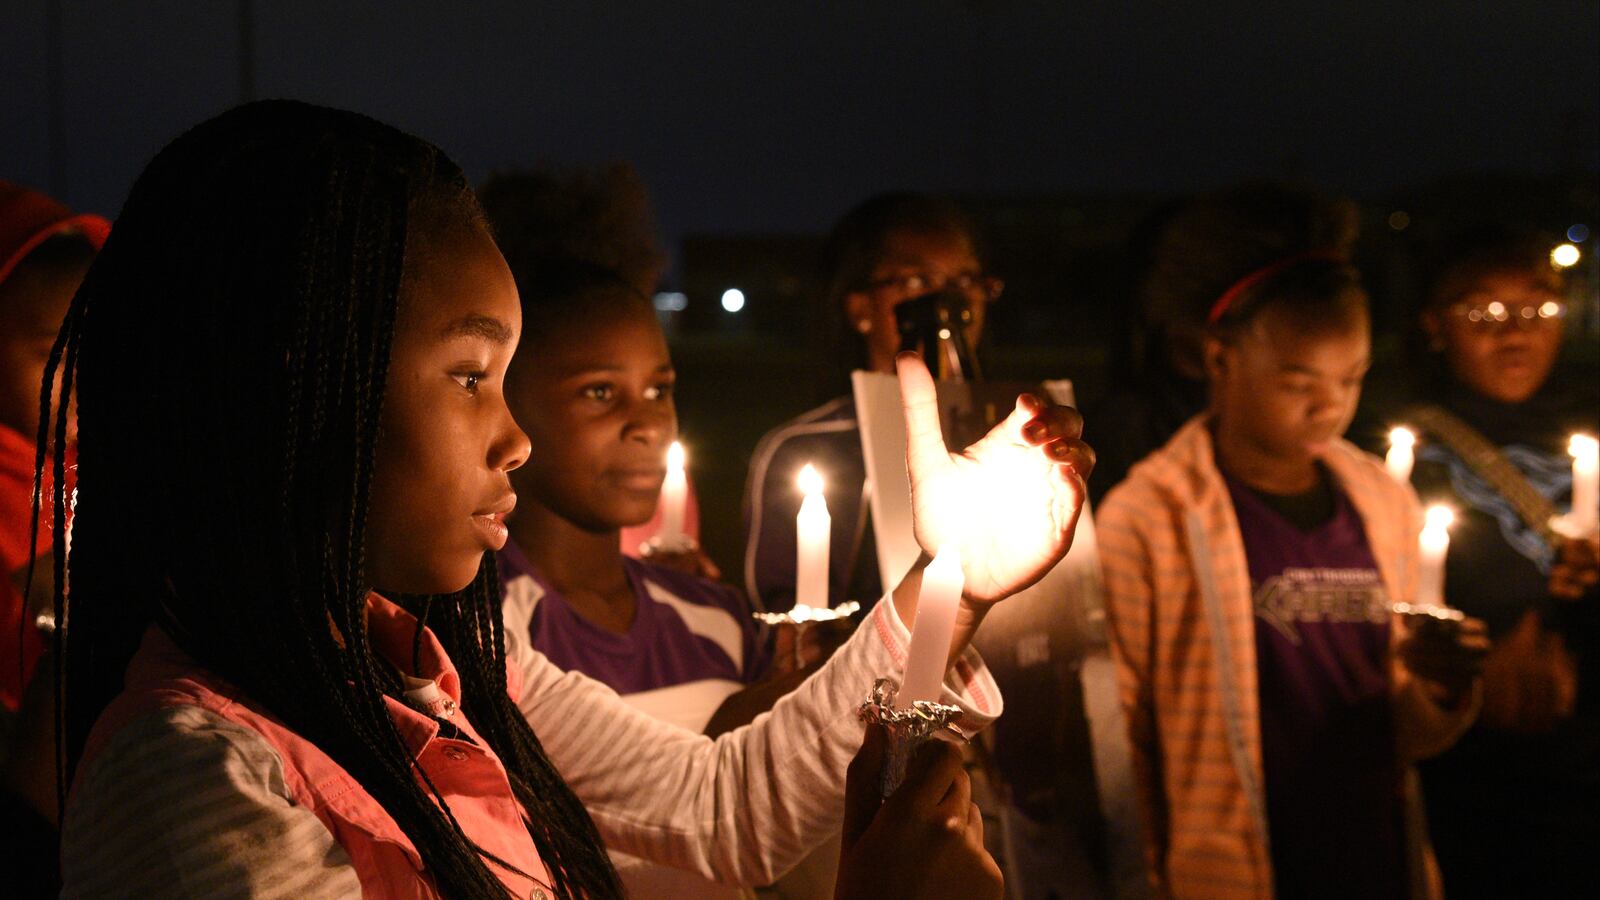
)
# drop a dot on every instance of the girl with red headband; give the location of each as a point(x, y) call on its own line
point(1274, 703)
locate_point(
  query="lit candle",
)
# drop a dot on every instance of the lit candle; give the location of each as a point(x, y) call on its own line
point(674, 494)
point(929, 654)
point(1434, 544)
point(1584, 519)
point(1401, 455)
point(813, 532)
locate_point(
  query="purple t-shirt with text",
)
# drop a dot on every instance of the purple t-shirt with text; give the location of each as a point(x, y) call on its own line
point(1327, 731)
point(685, 629)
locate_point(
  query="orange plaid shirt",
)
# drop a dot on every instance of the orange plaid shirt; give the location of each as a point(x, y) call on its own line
point(1183, 637)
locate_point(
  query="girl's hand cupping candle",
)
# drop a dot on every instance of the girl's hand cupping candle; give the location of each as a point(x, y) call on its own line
point(1009, 502)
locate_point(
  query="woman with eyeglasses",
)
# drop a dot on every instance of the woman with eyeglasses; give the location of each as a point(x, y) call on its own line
point(1516, 803)
point(892, 248)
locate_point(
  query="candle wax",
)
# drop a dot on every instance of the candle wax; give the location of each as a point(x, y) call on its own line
point(813, 533)
point(674, 497)
point(937, 602)
point(1402, 455)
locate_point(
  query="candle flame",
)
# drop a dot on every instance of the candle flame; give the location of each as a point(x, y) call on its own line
point(675, 457)
point(1402, 437)
point(1582, 445)
point(810, 480)
point(1565, 256)
point(1440, 517)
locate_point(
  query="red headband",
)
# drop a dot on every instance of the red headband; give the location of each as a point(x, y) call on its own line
point(1220, 308)
point(29, 218)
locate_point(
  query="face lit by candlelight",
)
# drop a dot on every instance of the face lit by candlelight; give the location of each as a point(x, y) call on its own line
point(440, 487)
point(1287, 390)
point(595, 395)
point(1506, 361)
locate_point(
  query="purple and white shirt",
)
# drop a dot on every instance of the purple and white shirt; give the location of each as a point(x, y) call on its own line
point(692, 642)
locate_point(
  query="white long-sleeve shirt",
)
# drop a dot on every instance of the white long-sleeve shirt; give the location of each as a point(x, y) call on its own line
point(740, 809)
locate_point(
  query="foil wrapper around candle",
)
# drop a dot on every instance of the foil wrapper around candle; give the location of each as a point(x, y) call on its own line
point(803, 617)
point(908, 728)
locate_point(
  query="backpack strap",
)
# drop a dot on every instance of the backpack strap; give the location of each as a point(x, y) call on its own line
point(1490, 464)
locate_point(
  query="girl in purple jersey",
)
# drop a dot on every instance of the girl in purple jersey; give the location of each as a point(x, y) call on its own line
point(592, 385)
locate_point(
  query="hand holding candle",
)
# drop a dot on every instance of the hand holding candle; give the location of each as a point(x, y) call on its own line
point(1402, 454)
point(1008, 504)
point(1434, 544)
point(813, 533)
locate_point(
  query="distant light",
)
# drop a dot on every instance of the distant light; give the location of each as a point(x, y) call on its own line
point(1549, 309)
point(1402, 437)
point(733, 300)
point(1399, 220)
point(1578, 233)
point(671, 301)
point(1565, 256)
point(944, 334)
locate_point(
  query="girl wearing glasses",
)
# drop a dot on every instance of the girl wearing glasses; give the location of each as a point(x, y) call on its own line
point(1517, 801)
point(892, 248)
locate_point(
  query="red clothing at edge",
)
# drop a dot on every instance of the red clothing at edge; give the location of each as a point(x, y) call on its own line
point(16, 511)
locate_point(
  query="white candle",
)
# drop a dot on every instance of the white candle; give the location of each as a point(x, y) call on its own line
point(929, 654)
point(1584, 518)
point(674, 494)
point(1401, 456)
point(1434, 544)
point(813, 532)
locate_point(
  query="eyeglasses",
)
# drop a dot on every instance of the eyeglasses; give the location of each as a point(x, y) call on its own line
point(915, 284)
point(1495, 312)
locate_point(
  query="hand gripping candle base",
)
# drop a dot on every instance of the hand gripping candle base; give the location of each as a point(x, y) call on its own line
point(909, 728)
point(813, 534)
point(911, 711)
point(803, 617)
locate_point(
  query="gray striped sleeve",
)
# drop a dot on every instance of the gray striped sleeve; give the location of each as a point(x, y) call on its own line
point(184, 803)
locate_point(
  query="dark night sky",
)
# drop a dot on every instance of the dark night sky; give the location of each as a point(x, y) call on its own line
point(775, 116)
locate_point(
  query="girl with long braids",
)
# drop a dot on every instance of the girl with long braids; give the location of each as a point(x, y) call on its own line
point(284, 667)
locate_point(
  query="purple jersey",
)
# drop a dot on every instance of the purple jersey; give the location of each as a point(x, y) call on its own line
point(692, 642)
point(1327, 733)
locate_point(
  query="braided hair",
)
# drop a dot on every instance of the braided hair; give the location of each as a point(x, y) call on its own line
point(229, 348)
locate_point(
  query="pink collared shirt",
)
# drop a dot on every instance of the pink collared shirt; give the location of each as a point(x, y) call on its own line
point(186, 800)
point(162, 679)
